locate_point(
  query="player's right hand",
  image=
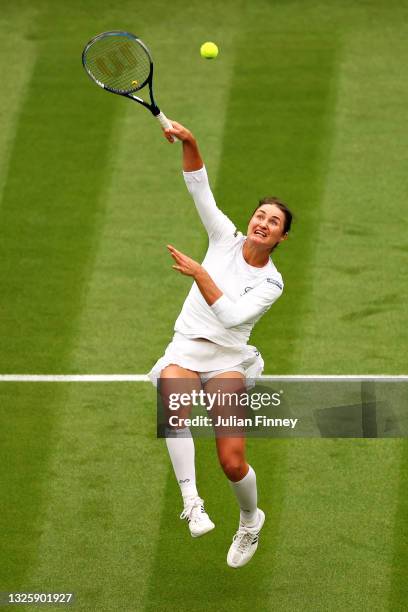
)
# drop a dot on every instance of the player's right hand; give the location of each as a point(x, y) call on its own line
point(179, 131)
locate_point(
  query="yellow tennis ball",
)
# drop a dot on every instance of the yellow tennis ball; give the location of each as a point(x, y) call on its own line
point(135, 83)
point(209, 50)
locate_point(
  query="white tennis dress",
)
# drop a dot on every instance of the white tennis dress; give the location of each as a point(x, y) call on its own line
point(248, 292)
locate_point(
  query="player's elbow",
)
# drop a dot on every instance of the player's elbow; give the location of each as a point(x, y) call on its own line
point(229, 321)
point(229, 313)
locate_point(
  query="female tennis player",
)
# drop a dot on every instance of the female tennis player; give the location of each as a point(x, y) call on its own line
point(233, 287)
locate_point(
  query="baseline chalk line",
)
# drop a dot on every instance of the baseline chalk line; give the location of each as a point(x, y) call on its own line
point(144, 377)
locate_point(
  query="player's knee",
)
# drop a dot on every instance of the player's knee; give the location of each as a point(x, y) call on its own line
point(233, 466)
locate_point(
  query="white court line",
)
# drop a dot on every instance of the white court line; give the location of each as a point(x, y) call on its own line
point(74, 378)
point(144, 377)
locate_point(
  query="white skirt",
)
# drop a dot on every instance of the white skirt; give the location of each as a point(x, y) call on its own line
point(203, 356)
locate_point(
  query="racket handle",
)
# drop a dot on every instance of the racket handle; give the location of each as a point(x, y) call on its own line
point(165, 123)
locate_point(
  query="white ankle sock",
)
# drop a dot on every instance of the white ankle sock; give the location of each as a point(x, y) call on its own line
point(247, 496)
point(180, 445)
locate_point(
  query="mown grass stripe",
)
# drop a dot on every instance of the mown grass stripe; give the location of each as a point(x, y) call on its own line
point(280, 111)
point(335, 544)
point(357, 307)
point(16, 64)
point(59, 155)
point(107, 476)
point(398, 595)
point(46, 237)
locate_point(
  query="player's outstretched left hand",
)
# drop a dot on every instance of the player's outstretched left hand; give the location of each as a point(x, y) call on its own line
point(184, 264)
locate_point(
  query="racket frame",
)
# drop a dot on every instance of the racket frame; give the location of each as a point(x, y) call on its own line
point(153, 108)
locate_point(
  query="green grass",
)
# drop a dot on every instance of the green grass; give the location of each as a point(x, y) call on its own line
point(306, 101)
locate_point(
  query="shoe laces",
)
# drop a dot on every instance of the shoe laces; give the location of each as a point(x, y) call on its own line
point(193, 510)
point(244, 538)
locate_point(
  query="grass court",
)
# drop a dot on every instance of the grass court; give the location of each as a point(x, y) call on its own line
point(306, 101)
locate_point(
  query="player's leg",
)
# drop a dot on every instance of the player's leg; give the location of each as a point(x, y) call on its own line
point(231, 450)
point(176, 380)
point(180, 445)
point(242, 477)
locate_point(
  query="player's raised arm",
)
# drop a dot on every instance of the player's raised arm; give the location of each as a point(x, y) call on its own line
point(191, 155)
point(215, 222)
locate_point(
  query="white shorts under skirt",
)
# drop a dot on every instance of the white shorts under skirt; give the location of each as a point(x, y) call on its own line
point(208, 359)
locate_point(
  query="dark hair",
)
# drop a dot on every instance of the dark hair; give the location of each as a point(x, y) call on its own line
point(282, 206)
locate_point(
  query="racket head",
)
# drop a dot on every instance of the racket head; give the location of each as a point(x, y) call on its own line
point(118, 61)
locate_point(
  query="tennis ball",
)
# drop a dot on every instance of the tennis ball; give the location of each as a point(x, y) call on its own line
point(209, 50)
point(135, 83)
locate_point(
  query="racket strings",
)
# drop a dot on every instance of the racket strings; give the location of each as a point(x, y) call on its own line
point(118, 62)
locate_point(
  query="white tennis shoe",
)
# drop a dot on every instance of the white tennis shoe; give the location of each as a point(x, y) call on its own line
point(245, 542)
point(198, 520)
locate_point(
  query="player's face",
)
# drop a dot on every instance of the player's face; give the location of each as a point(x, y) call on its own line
point(266, 228)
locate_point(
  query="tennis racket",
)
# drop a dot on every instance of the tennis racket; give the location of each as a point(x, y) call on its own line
point(121, 63)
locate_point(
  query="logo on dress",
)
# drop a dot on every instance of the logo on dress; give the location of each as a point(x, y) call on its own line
point(246, 290)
